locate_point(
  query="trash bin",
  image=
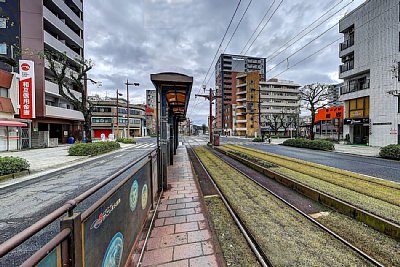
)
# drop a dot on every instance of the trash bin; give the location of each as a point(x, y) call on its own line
point(71, 140)
point(216, 140)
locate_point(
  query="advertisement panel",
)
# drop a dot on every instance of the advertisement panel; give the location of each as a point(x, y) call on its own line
point(27, 89)
point(111, 230)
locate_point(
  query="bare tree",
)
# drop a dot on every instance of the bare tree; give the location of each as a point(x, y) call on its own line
point(315, 96)
point(273, 123)
point(71, 79)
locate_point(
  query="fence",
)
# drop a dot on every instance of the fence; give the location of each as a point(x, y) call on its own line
point(104, 234)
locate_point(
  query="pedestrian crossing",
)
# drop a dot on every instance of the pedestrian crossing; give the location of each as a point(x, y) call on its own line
point(144, 145)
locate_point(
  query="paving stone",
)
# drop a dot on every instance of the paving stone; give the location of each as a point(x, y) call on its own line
point(207, 247)
point(186, 227)
point(175, 220)
point(185, 211)
point(168, 213)
point(176, 206)
point(204, 261)
point(188, 251)
point(195, 217)
point(163, 230)
point(157, 256)
point(177, 196)
point(181, 263)
point(197, 236)
point(168, 201)
point(203, 225)
point(193, 204)
point(159, 222)
point(174, 240)
point(192, 195)
point(185, 200)
point(153, 243)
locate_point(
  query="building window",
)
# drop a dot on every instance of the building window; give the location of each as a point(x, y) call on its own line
point(398, 104)
point(3, 23)
point(3, 49)
point(3, 92)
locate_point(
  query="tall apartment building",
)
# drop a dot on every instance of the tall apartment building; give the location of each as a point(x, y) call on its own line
point(31, 27)
point(369, 52)
point(334, 94)
point(151, 98)
point(226, 69)
point(272, 105)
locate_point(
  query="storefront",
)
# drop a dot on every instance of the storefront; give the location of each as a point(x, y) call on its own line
point(10, 135)
point(357, 120)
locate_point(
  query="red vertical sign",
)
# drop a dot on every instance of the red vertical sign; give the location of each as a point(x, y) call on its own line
point(26, 89)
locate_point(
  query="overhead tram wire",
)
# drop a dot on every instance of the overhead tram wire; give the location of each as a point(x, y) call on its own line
point(360, 26)
point(273, 55)
point(273, 13)
point(259, 24)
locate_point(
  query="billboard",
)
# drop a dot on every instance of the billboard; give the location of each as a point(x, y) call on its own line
point(27, 89)
point(112, 229)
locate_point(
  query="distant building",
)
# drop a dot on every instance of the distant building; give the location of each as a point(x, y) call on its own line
point(150, 121)
point(334, 94)
point(370, 69)
point(329, 123)
point(151, 98)
point(273, 104)
point(226, 70)
point(104, 118)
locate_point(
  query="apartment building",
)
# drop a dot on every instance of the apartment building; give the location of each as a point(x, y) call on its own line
point(334, 94)
point(151, 98)
point(29, 27)
point(226, 69)
point(280, 106)
point(265, 106)
point(370, 70)
point(104, 118)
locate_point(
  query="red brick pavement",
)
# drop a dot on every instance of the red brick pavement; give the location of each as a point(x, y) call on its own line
point(180, 236)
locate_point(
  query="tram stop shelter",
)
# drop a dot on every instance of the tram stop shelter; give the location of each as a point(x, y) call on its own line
point(172, 100)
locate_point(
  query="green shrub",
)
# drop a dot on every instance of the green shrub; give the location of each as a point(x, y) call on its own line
point(257, 139)
point(126, 140)
point(91, 149)
point(390, 152)
point(311, 144)
point(10, 165)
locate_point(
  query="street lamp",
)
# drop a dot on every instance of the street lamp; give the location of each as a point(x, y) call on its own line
point(117, 135)
point(127, 101)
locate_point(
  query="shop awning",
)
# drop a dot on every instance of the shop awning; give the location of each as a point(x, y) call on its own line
point(13, 123)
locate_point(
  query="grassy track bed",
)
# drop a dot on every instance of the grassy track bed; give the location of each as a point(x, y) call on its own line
point(376, 196)
point(378, 245)
point(234, 247)
point(285, 236)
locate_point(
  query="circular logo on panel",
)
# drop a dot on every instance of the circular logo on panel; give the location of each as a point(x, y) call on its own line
point(113, 255)
point(144, 196)
point(134, 195)
point(25, 66)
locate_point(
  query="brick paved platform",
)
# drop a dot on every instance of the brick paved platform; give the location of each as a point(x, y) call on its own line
point(180, 236)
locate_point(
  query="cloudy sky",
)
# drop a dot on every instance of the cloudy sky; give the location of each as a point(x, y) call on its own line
point(134, 38)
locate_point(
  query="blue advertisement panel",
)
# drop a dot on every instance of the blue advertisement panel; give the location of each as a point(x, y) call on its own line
point(53, 259)
point(111, 230)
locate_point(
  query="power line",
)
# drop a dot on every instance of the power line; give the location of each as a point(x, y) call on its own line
point(223, 38)
point(237, 26)
point(259, 24)
point(273, 55)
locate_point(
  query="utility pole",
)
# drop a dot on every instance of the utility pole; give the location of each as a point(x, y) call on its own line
point(117, 135)
point(127, 102)
point(210, 97)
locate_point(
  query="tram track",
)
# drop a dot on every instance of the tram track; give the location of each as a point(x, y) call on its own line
point(371, 261)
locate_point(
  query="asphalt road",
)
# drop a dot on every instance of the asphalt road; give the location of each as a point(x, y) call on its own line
point(382, 168)
point(23, 204)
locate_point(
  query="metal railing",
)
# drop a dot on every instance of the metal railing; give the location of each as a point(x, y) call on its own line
point(347, 66)
point(83, 237)
point(347, 43)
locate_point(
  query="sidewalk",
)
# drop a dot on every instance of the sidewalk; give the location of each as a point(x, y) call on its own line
point(180, 236)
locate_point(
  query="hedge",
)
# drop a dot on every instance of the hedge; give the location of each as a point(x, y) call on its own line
point(390, 152)
point(91, 149)
point(257, 139)
point(311, 144)
point(9, 165)
point(126, 140)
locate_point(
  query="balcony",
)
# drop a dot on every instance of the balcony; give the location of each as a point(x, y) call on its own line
point(241, 129)
point(347, 43)
point(354, 87)
point(241, 92)
point(60, 25)
point(59, 46)
point(240, 99)
point(52, 88)
point(241, 85)
point(68, 12)
point(349, 65)
point(63, 113)
point(241, 121)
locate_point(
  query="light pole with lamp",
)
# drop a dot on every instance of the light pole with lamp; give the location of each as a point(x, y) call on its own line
point(117, 135)
point(127, 102)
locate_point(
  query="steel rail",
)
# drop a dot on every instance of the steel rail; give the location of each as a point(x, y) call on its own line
point(259, 254)
point(21, 237)
point(357, 250)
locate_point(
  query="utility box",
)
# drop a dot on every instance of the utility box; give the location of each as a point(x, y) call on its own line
point(216, 140)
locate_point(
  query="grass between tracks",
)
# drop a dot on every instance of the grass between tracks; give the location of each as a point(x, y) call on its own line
point(234, 247)
point(285, 236)
point(377, 196)
point(378, 245)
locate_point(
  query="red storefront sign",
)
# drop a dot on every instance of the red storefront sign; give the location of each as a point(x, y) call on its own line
point(26, 89)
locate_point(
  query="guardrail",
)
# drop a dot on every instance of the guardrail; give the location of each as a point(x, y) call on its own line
point(106, 232)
